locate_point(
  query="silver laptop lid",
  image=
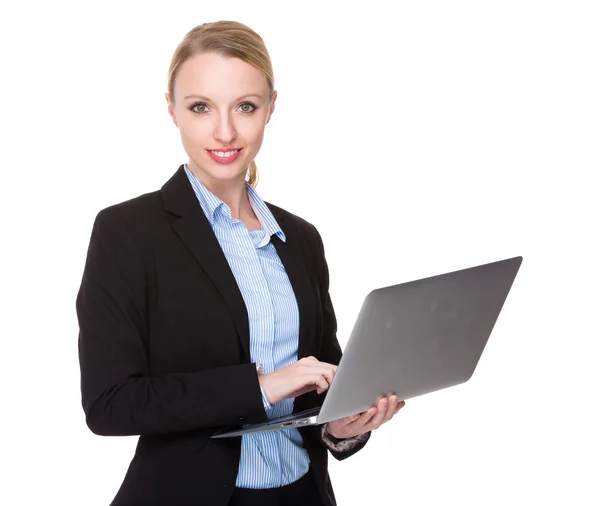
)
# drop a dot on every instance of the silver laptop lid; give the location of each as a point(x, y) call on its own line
point(418, 337)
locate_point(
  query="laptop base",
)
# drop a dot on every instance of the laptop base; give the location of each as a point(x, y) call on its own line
point(293, 421)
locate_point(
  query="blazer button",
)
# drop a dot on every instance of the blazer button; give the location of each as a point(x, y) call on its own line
point(241, 420)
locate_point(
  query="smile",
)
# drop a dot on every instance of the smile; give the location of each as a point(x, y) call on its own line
point(224, 156)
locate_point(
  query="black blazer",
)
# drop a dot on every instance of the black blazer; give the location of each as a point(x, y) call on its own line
point(164, 345)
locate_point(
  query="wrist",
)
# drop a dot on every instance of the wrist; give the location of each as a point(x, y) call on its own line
point(263, 382)
point(331, 436)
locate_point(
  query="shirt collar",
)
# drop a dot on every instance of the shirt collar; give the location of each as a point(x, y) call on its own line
point(210, 203)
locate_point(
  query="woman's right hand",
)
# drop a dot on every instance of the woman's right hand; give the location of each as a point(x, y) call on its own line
point(299, 378)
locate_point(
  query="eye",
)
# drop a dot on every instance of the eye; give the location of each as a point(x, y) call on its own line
point(247, 107)
point(203, 107)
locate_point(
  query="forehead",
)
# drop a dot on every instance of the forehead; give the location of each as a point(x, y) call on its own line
point(218, 76)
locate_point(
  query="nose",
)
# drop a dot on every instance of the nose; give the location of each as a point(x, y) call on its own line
point(225, 129)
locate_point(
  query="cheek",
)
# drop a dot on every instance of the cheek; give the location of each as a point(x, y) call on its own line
point(195, 131)
point(256, 140)
point(252, 131)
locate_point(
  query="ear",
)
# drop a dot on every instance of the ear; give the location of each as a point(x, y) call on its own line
point(272, 105)
point(171, 110)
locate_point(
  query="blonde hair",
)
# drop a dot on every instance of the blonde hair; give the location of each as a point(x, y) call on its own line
point(228, 38)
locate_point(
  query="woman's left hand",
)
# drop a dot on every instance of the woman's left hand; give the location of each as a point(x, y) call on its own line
point(373, 418)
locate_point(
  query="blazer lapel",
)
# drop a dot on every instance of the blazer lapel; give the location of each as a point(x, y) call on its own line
point(195, 231)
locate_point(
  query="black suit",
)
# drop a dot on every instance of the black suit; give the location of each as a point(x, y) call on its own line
point(164, 344)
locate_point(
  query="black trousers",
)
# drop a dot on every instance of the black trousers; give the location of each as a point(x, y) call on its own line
point(302, 492)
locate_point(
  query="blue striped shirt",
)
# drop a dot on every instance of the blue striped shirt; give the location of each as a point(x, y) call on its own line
point(277, 458)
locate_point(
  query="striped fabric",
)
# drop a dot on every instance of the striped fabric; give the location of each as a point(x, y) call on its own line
point(269, 459)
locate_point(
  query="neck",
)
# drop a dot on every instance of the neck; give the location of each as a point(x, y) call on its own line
point(231, 192)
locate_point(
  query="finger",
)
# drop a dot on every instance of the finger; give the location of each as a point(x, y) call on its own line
point(352, 418)
point(316, 365)
point(313, 382)
point(382, 407)
point(312, 369)
point(315, 361)
point(328, 380)
point(328, 368)
point(357, 426)
point(330, 375)
point(400, 405)
point(391, 409)
point(319, 381)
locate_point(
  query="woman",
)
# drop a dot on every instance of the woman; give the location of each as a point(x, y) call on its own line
point(202, 306)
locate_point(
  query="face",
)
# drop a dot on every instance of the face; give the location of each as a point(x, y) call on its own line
point(221, 108)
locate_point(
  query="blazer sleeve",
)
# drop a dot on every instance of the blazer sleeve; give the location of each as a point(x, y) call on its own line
point(331, 353)
point(120, 396)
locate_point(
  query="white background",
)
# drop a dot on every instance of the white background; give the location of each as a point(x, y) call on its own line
point(419, 137)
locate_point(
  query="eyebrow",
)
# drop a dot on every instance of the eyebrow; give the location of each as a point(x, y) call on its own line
point(237, 99)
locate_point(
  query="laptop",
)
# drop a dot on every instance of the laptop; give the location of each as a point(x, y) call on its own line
point(410, 339)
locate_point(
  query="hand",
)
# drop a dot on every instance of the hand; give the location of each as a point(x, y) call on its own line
point(299, 378)
point(373, 418)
